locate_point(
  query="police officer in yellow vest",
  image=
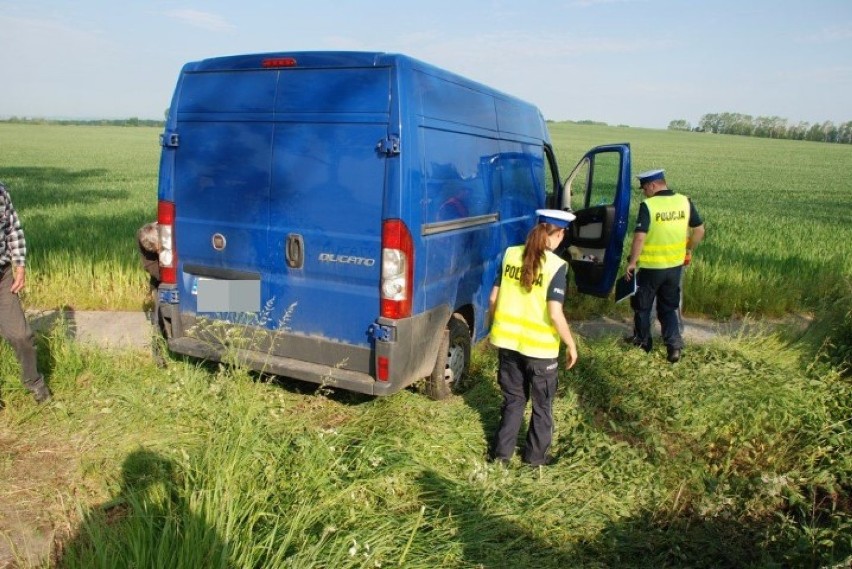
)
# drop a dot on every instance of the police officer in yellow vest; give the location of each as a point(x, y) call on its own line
point(668, 228)
point(527, 324)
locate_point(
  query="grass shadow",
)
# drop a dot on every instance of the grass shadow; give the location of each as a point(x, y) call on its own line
point(148, 523)
point(689, 540)
point(45, 187)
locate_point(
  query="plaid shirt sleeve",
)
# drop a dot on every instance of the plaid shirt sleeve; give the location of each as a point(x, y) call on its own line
point(14, 243)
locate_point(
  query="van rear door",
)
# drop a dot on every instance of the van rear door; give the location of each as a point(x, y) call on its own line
point(284, 165)
point(598, 192)
point(222, 158)
point(328, 184)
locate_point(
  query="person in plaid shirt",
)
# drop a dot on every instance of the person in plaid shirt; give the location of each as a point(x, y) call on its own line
point(13, 324)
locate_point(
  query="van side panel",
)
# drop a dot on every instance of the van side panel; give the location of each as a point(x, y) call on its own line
point(521, 121)
point(460, 193)
point(480, 190)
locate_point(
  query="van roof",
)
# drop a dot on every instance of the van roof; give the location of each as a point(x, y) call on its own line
point(311, 59)
point(335, 59)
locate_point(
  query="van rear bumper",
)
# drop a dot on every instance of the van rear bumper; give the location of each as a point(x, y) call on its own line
point(277, 365)
point(411, 352)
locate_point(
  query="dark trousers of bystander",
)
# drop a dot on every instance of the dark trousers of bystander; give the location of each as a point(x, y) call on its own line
point(15, 330)
point(158, 333)
point(521, 378)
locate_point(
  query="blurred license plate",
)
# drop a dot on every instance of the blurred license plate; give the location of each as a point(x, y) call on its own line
point(216, 295)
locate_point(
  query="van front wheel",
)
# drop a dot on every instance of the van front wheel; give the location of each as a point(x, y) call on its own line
point(453, 361)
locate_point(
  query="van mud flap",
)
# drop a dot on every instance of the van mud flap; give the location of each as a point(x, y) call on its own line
point(411, 354)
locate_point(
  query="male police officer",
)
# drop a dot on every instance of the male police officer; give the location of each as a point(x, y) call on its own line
point(668, 228)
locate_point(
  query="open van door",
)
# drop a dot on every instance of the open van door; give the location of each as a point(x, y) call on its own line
point(598, 192)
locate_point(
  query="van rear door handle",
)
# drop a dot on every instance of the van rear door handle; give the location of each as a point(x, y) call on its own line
point(294, 251)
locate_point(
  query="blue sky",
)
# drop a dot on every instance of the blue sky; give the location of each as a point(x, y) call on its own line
point(641, 63)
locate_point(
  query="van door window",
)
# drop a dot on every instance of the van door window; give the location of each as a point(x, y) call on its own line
point(551, 177)
point(576, 185)
point(607, 168)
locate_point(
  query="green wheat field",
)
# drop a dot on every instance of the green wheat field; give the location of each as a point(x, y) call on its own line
point(778, 213)
point(738, 456)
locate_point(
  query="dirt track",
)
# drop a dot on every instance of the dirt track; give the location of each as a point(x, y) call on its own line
point(131, 329)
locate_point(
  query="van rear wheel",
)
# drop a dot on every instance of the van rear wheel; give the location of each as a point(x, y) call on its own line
point(453, 362)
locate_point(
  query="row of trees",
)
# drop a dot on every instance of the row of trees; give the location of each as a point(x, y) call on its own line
point(133, 121)
point(768, 127)
point(719, 123)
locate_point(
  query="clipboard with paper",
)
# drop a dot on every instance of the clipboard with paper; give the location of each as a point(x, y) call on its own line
point(625, 288)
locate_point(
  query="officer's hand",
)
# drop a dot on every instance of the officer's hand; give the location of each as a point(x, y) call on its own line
point(570, 356)
point(628, 272)
point(688, 259)
point(19, 280)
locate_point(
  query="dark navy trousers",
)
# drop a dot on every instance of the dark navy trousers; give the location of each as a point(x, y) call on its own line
point(521, 378)
point(664, 286)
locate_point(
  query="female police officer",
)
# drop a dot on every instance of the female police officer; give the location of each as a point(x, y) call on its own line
point(527, 324)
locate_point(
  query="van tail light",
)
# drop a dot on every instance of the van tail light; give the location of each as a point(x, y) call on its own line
point(168, 253)
point(397, 270)
point(277, 62)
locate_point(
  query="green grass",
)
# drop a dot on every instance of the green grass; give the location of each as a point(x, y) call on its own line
point(778, 212)
point(736, 457)
point(733, 458)
point(81, 193)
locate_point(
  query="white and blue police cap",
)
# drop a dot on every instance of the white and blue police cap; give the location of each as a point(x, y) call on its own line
point(651, 176)
point(556, 217)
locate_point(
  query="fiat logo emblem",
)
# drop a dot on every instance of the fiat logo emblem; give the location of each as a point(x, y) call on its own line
point(218, 241)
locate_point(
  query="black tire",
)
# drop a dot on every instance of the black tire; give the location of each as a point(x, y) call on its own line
point(453, 362)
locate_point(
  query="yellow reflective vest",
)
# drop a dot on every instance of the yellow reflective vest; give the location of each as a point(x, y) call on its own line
point(665, 242)
point(521, 320)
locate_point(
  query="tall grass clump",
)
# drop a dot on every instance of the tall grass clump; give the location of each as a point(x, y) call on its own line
point(831, 334)
point(746, 447)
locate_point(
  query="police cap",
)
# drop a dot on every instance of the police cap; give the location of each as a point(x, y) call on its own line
point(555, 217)
point(651, 176)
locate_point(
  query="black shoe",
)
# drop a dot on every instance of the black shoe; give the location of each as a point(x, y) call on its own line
point(636, 343)
point(498, 460)
point(673, 354)
point(548, 461)
point(492, 457)
point(43, 395)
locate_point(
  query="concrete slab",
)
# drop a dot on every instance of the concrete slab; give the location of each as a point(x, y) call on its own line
point(132, 329)
point(103, 328)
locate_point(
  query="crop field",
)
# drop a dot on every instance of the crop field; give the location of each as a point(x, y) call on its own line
point(778, 213)
point(81, 193)
point(738, 456)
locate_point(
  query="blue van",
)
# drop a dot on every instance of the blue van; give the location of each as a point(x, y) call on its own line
point(338, 217)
